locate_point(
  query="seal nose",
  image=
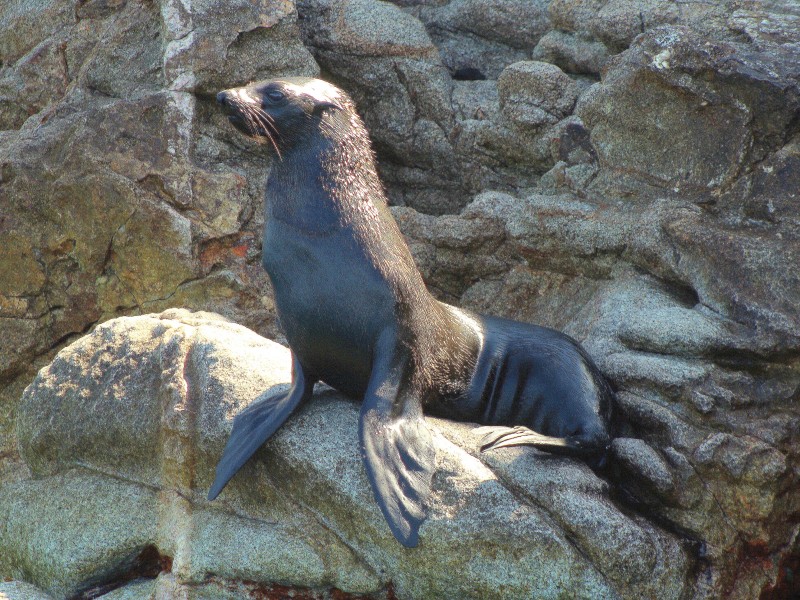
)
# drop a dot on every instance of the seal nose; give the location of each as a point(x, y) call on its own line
point(222, 98)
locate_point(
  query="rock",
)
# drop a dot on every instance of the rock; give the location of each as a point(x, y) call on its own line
point(365, 28)
point(137, 590)
point(572, 52)
point(133, 417)
point(775, 22)
point(478, 100)
point(211, 45)
point(648, 464)
point(535, 93)
point(71, 531)
point(738, 264)
point(515, 23)
point(726, 123)
point(617, 23)
point(478, 38)
point(470, 58)
point(19, 590)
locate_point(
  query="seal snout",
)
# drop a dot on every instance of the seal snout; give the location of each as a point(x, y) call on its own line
point(228, 107)
point(223, 99)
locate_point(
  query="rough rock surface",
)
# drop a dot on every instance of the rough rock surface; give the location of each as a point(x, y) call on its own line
point(119, 192)
point(131, 419)
point(625, 170)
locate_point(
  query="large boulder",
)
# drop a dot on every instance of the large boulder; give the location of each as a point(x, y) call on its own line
point(122, 432)
point(616, 23)
point(735, 106)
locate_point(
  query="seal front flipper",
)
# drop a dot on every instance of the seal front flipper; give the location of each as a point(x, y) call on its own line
point(256, 423)
point(395, 442)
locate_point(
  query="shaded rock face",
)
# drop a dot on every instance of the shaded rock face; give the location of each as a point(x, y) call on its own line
point(627, 172)
point(131, 419)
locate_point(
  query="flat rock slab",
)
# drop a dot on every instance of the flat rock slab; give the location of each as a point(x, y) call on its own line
point(122, 433)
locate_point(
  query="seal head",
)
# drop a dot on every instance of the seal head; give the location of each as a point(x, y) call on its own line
point(279, 111)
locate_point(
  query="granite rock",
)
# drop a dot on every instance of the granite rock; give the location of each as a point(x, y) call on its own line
point(132, 418)
point(535, 93)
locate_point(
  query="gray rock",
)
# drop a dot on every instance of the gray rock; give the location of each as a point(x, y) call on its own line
point(534, 93)
point(302, 513)
point(142, 589)
point(211, 45)
point(774, 22)
point(662, 75)
point(572, 52)
point(19, 590)
point(649, 465)
point(471, 58)
point(76, 529)
point(477, 39)
point(617, 23)
point(514, 23)
point(364, 28)
point(478, 100)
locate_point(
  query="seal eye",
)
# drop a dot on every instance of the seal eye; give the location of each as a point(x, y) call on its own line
point(274, 96)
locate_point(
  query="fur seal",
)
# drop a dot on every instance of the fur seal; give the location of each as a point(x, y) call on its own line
point(358, 316)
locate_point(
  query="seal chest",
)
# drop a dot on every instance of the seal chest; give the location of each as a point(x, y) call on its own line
point(357, 316)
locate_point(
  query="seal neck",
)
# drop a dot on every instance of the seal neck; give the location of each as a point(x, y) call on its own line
point(296, 193)
point(330, 183)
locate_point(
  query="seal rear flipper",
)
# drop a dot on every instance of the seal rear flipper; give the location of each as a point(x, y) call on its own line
point(397, 447)
point(256, 423)
point(506, 437)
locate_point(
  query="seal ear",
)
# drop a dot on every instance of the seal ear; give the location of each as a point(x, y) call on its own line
point(321, 107)
point(396, 444)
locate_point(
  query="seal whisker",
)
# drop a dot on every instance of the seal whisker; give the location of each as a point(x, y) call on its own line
point(254, 125)
point(267, 123)
point(265, 114)
point(242, 110)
